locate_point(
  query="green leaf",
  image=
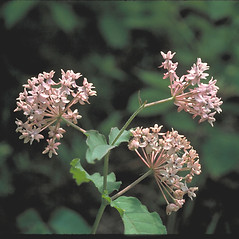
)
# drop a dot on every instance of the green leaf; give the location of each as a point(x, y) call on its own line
point(107, 65)
point(180, 121)
point(30, 222)
point(113, 119)
point(217, 10)
point(64, 16)
point(136, 217)
point(112, 185)
point(150, 95)
point(97, 153)
point(5, 151)
point(81, 176)
point(154, 79)
point(66, 221)
point(220, 153)
point(14, 11)
point(124, 137)
point(6, 185)
point(98, 146)
point(113, 30)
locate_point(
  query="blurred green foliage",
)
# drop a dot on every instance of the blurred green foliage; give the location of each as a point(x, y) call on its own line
point(117, 45)
point(6, 186)
point(63, 221)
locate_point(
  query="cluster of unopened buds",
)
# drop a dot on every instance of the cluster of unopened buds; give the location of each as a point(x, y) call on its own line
point(173, 160)
point(201, 100)
point(46, 103)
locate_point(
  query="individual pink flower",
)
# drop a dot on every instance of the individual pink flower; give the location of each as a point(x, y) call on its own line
point(201, 100)
point(51, 147)
point(45, 103)
point(173, 160)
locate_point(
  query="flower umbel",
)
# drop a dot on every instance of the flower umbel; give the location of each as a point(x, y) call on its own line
point(201, 100)
point(45, 103)
point(173, 160)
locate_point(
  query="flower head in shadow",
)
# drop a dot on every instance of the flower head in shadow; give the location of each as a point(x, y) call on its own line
point(173, 160)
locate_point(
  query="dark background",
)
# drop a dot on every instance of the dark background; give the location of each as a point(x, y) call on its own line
point(117, 45)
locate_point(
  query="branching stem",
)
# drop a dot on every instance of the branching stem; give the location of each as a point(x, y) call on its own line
point(74, 125)
point(104, 202)
point(132, 184)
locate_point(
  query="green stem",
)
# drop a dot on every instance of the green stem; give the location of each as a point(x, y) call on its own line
point(144, 105)
point(104, 203)
point(105, 171)
point(129, 121)
point(74, 125)
point(159, 102)
point(132, 184)
point(99, 215)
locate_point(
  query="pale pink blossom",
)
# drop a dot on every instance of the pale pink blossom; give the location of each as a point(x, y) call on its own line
point(45, 103)
point(51, 147)
point(190, 94)
point(171, 207)
point(197, 72)
point(168, 155)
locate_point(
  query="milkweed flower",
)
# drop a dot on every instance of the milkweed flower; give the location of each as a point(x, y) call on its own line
point(173, 160)
point(199, 100)
point(45, 103)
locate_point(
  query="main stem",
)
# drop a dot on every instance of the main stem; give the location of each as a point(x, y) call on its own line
point(99, 215)
point(104, 202)
point(105, 171)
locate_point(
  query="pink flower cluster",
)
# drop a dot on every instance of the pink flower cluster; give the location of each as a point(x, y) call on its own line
point(201, 100)
point(172, 159)
point(45, 103)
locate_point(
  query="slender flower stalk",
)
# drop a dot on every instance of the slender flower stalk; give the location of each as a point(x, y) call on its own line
point(132, 185)
point(46, 103)
point(159, 102)
point(73, 125)
point(172, 159)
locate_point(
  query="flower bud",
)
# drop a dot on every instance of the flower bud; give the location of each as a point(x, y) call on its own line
point(133, 144)
point(189, 178)
point(171, 208)
point(180, 202)
point(178, 194)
